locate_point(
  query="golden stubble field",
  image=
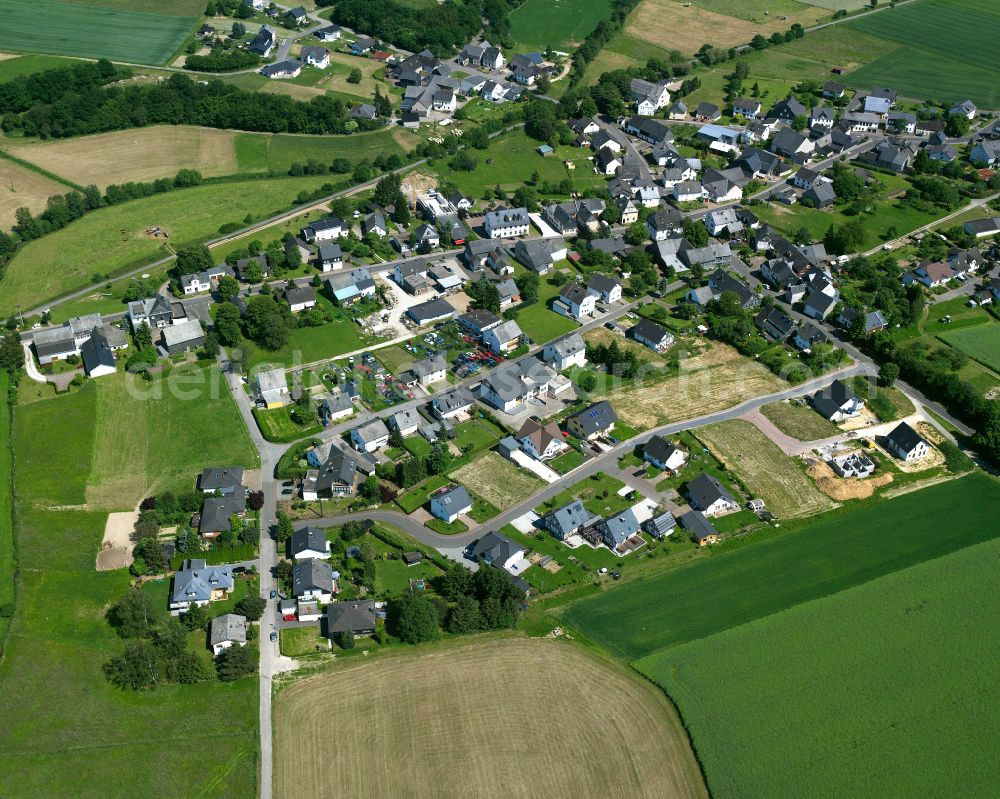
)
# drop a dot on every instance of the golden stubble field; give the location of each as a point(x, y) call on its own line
point(514, 718)
point(23, 188)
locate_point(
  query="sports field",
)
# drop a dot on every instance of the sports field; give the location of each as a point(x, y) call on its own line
point(21, 187)
point(556, 23)
point(839, 552)
point(979, 343)
point(566, 725)
point(110, 240)
point(877, 690)
point(62, 28)
point(141, 154)
point(946, 62)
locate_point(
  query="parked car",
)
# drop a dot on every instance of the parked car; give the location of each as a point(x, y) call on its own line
point(274, 637)
point(273, 593)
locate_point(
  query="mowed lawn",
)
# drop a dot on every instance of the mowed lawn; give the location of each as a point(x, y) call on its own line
point(60, 28)
point(838, 552)
point(111, 240)
point(140, 154)
point(556, 23)
point(876, 690)
point(581, 727)
point(979, 343)
point(767, 471)
point(542, 324)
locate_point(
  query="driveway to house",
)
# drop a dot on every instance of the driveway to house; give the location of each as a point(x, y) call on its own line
point(29, 364)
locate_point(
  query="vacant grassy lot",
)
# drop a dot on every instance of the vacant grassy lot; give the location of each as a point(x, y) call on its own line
point(461, 743)
point(979, 343)
point(308, 344)
point(66, 260)
point(899, 720)
point(497, 480)
point(260, 152)
point(141, 154)
point(559, 24)
point(841, 551)
point(60, 28)
point(30, 190)
point(542, 324)
point(799, 421)
point(765, 469)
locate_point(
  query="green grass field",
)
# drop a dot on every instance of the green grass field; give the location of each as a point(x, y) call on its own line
point(941, 62)
point(6, 509)
point(262, 152)
point(979, 343)
point(60, 28)
point(276, 425)
point(556, 23)
point(542, 324)
point(28, 64)
point(66, 260)
point(877, 690)
point(841, 551)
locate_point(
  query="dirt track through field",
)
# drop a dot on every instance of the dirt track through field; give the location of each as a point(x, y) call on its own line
point(511, 718)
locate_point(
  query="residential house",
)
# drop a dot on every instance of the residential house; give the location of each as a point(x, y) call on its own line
point(789, 144)
point(504, 337)
point(818, 304)
point(506, 223)
point(774, 323)
point(722, 282)
point(606, 162)
point(592, 422)
point(452, 404)
point(575, 216)
point(664, 455)
point(688, 191)
point(649, 130)
point(966, 108)
point(272, 388)
point(837, 402)
point(660, 526)
point(575, 301)
point(746, 107)
point(708, 495)
point(931, 275)
point(225, 631)
point(335, 476)
point(707, 112)
point(425, 238)
point(499, 552)
point(820, 195)
point(568, 520)
point(349, 287)
point(651, 335)
point(540, 255)
point(98, 355)
point(861, 122)
point(328, 34)
point(315, 56)
point(374, 223)
point(808, 335)
point(217, 512)
point(981, 228)
point(337, 406)
point(312, 578)
point(327, 229)
point(309, 542)
point(822, 117)
point(906, 443)
point(362, 45)
point(300, 298)
point(263, 43)
point(426, 371)
point(723, 220)
point(153, 311)
point(517, 383)
point(648, 97)
point(405, 422)
point(451, 502)
point(566, 352)
point(370, 436)
point(664, 223)
point(541, 441)
point(787, 109)
point(605, 288)
point(282, 69)
point(197, 583)
point(616, 530)
point(986, 153)
point(699, 528)
point(478, 321)
point(329, 257)
point(222, 480)
point(873, 320)
point(833, 90)
point(357, 616)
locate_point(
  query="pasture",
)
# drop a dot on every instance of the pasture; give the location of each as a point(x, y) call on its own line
point(897, 723)
point(766, 471)
point(21, 187)
point(799, 421)
point(141, 154)
point(110, 240)
point(276, 152)
point(92, 32)
point(843, 550)
point(942, 62)
point(460, 742)
point(560, 24)
point(979, 343)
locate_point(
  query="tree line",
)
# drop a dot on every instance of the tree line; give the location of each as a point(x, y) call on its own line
point(440, 28)
point(95, 98)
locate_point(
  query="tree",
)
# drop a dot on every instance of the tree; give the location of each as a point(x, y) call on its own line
point(387, 190)
point(888, 374)
point(416, 619)
point(803, 236)
point(370, 488)
point(455, 583)
point(195, 617)
point(485, 294)
point(527, 285)
point(284, 527)
point(133, 615)
point(587, 382)
point(151, 552)
point(464, 617)
point(265, 322)
point(635, 234)
point(255, 500)
point(186, 668)
point(235, 662)
point(346, 639)
point(143, 337)
point(227, 325)
point(464, 161)
point(137, 667)
point(355, 76)
point(540, 120)
point(695, 232)
point(11, 352)
point(252, 606)
point(229, 287)
point(194, 258)
point(957, 125)
point(439, 459)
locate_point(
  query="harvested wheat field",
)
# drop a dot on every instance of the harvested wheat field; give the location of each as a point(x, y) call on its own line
point(713, 380)
point(497, 480)
point(569, 726)
point(142, 154)
point(23, 188)
point(686, 27)
point(841, 488)
point(767, 471)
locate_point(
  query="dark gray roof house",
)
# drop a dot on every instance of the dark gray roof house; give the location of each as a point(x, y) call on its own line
point(698, 526)
point(705, 490)
point(312, 576)
point(309, 541)
point(566, 520)
point(830, 400)
point(430, 311)
point(216, 511)
point(357, 616)
point(616, 530)
point(774, 323)
point(660, 526)
point(225, 479)
point(592, 420)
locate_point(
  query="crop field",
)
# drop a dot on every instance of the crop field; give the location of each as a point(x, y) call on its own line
point(765, 469)
point(714, 380)
point(799, 421)
point(84, 30)
point(30, 190)
point(497, 480)
point(141, 154)
point(182, 8)
point(460, 743)
point(846, 549)
point(979, 343)
point(110, 240)
point(558, 24)
point(942, 62)
point(897, 723)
